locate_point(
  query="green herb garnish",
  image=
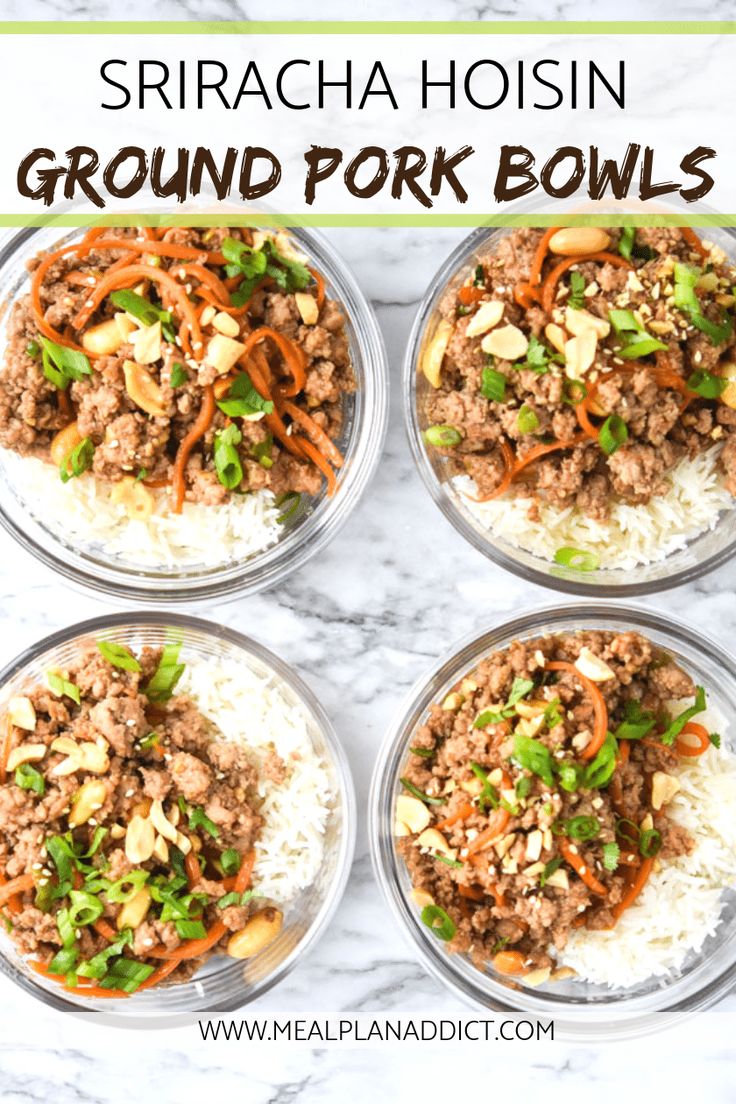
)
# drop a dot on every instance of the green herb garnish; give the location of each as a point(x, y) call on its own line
point(612, 434)
point(179, 375)
point(226, 457)
point(29, 778)
point(533, 756)
point(493, 385)
point(243, 401)
point(576, 298)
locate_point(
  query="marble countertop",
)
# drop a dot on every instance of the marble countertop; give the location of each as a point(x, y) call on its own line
point(388, 597)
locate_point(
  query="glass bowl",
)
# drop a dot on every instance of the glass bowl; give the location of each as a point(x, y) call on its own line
point(582, 1012)
point(305, 533)
point(222, 984)
point(701, 554)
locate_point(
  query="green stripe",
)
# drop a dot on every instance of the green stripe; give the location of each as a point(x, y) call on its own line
point(403, 27)
point(316, 219)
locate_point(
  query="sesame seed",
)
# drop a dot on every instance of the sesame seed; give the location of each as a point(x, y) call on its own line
point(130, 723)
point(129, 793)
point(148, 942)
point(92, 821)
point(43, 881)
point(37, 866)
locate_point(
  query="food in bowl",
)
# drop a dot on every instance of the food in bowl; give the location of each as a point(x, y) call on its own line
point(583, 392)
point(172, 393)
point(564, 814)
point(153, 813)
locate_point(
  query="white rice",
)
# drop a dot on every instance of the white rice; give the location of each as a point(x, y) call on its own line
point(81, 512)
point(682, 902)
point(252, 710)
point(632, 535)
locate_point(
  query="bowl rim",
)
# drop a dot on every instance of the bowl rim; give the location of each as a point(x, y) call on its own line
point(461, 655)
point(289, 553)
point(443, 276)
point(346, 792)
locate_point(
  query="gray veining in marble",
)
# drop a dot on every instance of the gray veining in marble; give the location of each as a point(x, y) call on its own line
point(361, 625)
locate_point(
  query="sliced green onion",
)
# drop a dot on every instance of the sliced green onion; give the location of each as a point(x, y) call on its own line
point(442, 436)
point(625, 823)
point(127, 887)
point(579, 828)
point(33, 349)
point(670, 734)
point(126, 975)
point(489, 793)
point(570, 776)
point(527, 420)
point(493, 385)
point(636, 723)
point(626, 241)
point(717, 332)
point(549, 869)
point(118, 655)
point(167, 674)
point(576, 298)
point(64, 961)
point(418, 793)
point(152, 740)
point(29, 778)
point(84, 908)
point(422, 753)
point(612, 434)
point(62, 687)
point(577, 559)
point(190, 929)
point(65, 928)
point(611, 855)
point(650, 843)
point(573, 391)
point(599, 771)
point(437, 920)
point(77, 461)
point(479, 278)
point(706, 384)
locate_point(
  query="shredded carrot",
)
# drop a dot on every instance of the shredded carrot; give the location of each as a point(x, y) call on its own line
point(624, 750)
point(635, 887)
point(13, 904)
point(291, 354)
point(498, 896)
point(191, 869)
point(535, 272)
point(509, 962)
point(242, 878)
point(599, 705)
point(106, 930)
point(162, 248)
point(197, 430)
point(273, 421)
point(79, 990)
point(581, 868)
point(688, 750)
point(692, 239)
point(469, 294)
point(206, 277)
point(36, 284)
point(550, 281)
point(509, 467)
point(497, 822)
point(312, 453)
point(319, 281)
point(16, 886)
point(472, 893)
point(462, 813)
point(542, 450)
point(315, 433)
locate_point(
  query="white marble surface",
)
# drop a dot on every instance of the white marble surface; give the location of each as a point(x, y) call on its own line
point(389, 596)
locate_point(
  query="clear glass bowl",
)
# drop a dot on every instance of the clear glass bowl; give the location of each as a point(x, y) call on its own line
point(581, 1011)
point(222, 984)
point(702, 554)
point(304, 534)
